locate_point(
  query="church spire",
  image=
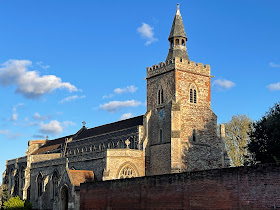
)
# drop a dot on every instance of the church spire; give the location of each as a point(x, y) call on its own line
point(177, 38)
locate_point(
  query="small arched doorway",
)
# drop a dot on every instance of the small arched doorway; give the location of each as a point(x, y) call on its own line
point(64, 198)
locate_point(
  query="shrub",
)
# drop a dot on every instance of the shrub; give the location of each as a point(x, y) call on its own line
point(15, 203)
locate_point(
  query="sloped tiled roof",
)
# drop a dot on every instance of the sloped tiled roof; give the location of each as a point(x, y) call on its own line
point(111, 127)
point(80, 176)
point(51, 145)
point(84, 133)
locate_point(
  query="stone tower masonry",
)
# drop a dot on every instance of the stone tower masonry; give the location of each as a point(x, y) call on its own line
point(182, 128)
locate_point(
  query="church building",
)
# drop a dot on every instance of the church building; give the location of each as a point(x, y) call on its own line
point(177, 133)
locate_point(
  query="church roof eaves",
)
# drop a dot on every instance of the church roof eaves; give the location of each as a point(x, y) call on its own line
point(119, 125)
point(51, 145)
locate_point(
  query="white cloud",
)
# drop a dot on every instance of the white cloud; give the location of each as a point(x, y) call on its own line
point(71, 98)
point(128, 89)
point(54, 127)
point(223, 83)
point(43, 66)
point(126, 116)
point(29, 83)
point(112, 106)
point(274, 87)
point(146, 32)
point(274, 65)
point(14, 116)
point(9, 134)
point(108, 96)
point(37, 116)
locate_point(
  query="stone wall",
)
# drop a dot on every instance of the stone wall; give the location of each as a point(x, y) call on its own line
point(254, 187)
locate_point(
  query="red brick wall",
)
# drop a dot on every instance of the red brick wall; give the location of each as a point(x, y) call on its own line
point(255, 187)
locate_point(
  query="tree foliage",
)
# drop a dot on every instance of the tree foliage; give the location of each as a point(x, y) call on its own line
point(265, 137)
point(15, 203)
point(237, 137)
point(4, 193)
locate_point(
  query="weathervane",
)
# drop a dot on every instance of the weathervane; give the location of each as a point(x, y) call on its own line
point(47, 137)
point(84, 123)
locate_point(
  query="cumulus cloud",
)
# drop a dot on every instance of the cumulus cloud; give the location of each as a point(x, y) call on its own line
point(274, 87)
point(54, 127)
point(71, 98)
point(274, 65)
point(29, 83)
point(223, 83)
point(37, 116)
point(126, 116)
point(146, 32)
point(128, 89)
point(113, 106)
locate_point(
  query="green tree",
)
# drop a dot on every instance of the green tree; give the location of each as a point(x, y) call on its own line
point(4, 193)
point(265, 137)
point(237, 137)
point(15, 203)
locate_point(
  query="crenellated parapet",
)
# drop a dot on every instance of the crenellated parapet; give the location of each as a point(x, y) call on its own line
point(178, 64)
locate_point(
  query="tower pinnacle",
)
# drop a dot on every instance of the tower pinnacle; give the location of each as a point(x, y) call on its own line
point(177, 38)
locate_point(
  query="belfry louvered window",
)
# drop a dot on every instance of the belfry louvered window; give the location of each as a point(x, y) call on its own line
point(193, 95)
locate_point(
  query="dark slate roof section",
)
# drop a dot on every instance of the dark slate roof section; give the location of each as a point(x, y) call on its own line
point(177, 29)
point(120, 125)
point(51, 145)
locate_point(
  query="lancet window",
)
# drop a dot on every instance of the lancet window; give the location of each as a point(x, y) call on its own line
point(160, 96)
point(193, 94)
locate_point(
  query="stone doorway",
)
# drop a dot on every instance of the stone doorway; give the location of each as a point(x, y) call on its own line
point(64, 198)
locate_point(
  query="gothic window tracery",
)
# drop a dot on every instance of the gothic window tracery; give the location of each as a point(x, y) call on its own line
point(54, 183)
point(127, 172)
point(39, 185)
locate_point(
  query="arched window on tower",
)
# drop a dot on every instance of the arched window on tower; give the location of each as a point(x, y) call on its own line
point(172, 43)
point(177, 41)
point(160, 96)
point(193, 94)
point(183, 42)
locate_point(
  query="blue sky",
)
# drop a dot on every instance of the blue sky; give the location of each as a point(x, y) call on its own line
point(64, 62)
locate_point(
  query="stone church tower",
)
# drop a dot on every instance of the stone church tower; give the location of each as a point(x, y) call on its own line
point(182, 128)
